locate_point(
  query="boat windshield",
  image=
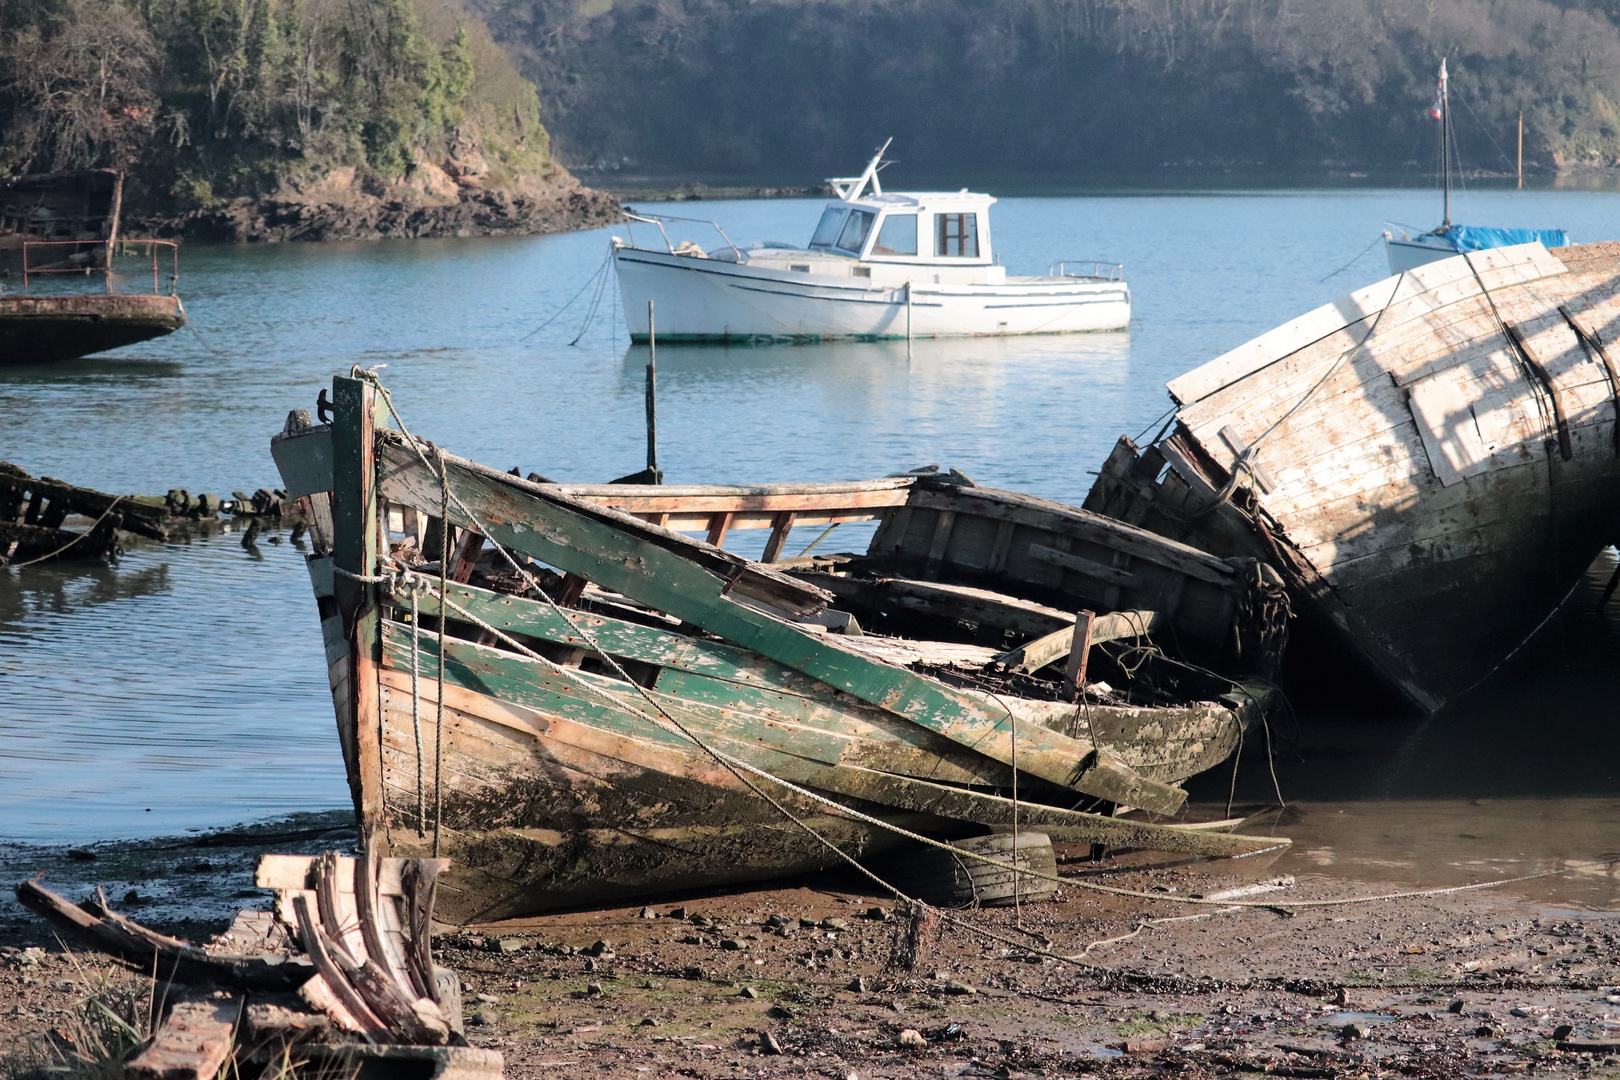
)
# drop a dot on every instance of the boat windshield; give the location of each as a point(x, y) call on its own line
point(898, 236)
point(827, 230)
point(853, 238)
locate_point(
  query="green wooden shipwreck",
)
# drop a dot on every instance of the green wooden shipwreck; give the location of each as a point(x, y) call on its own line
point(617, 692)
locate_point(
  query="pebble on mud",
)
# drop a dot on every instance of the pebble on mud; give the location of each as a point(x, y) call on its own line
point(1456, 1006)
point(768, 1043)
point(957, 986)
point(912, 1039)
point(1563, 1031)
point(1354, 1031)
point(594, 989)
point(857, 985)
point(731, 944)
point(748, 992)
point(508, 945)
point(80, 854)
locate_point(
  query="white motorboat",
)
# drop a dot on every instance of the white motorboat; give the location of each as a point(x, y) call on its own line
point(880, 265)
point(1408, 249)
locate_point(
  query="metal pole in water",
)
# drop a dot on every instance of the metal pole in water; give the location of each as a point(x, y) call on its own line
point(1521, 150)
point(652, 397)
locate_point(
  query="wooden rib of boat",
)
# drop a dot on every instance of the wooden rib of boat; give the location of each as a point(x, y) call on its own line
point(559, 782)
point(1431, 462)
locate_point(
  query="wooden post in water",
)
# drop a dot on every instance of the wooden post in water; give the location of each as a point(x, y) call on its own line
point(1521, 149)
point(652, 398)
point(908, 321)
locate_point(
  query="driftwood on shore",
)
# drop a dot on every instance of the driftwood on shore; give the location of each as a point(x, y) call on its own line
point(344, 966)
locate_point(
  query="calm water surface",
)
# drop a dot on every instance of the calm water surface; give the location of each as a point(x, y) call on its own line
point(184, 687)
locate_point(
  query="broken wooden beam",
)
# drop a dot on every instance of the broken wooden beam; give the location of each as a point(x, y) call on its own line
point(1034, 655)
point(181, 962)
point(195, 1040)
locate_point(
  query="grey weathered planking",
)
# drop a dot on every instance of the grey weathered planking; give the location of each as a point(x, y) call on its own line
point(1381, 480)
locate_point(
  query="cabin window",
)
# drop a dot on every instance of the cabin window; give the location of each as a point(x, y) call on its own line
point(898, 236)
point(853, 238)
point(958, 236)
point(827, 230)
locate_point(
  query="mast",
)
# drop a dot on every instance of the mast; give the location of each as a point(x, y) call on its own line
point(1445, 144)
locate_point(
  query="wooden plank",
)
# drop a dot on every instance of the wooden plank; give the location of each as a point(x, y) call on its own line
point(195, 1040)
point(997, 561)
point(769, 498)
point(1074, 673)
point(1080, 565)
point(853, 780)
point(762, 721)
point(781, 525)
point(1052, 647)
point(1080, 524)
point(983, 606)
point(141, 947)
point(719, 525)
point(619, 554)
point(354, 518)
point(943, 524)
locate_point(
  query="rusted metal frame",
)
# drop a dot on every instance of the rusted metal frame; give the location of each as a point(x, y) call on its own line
point(1592, 342)
point(620, 555)
point(1544, 377)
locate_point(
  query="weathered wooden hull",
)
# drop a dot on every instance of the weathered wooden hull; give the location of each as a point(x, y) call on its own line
point(1436, 465)
point(550, 780)
point(47, 329)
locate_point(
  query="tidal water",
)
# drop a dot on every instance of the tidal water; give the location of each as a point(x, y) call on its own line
point(184, 688)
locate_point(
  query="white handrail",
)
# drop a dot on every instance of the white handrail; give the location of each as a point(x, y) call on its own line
point(659, 219)
point(1100, 268)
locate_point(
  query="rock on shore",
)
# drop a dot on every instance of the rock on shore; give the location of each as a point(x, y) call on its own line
point(429, 201)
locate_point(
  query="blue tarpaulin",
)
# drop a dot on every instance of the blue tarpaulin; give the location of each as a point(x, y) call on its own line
point(1480, 237)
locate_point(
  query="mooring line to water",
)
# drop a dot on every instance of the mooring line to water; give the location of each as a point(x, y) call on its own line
point(558, 313)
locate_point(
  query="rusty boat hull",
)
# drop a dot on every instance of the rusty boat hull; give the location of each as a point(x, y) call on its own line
point(49, 329)
point(619, 697)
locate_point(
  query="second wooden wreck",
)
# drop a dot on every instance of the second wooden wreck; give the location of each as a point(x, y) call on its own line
point(619, 699)
point(1431, 463)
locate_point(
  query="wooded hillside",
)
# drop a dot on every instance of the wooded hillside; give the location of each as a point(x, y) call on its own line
point(1065, 87)
point(206, 100)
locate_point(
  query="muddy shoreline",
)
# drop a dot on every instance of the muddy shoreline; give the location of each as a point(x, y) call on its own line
point(799, 979)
